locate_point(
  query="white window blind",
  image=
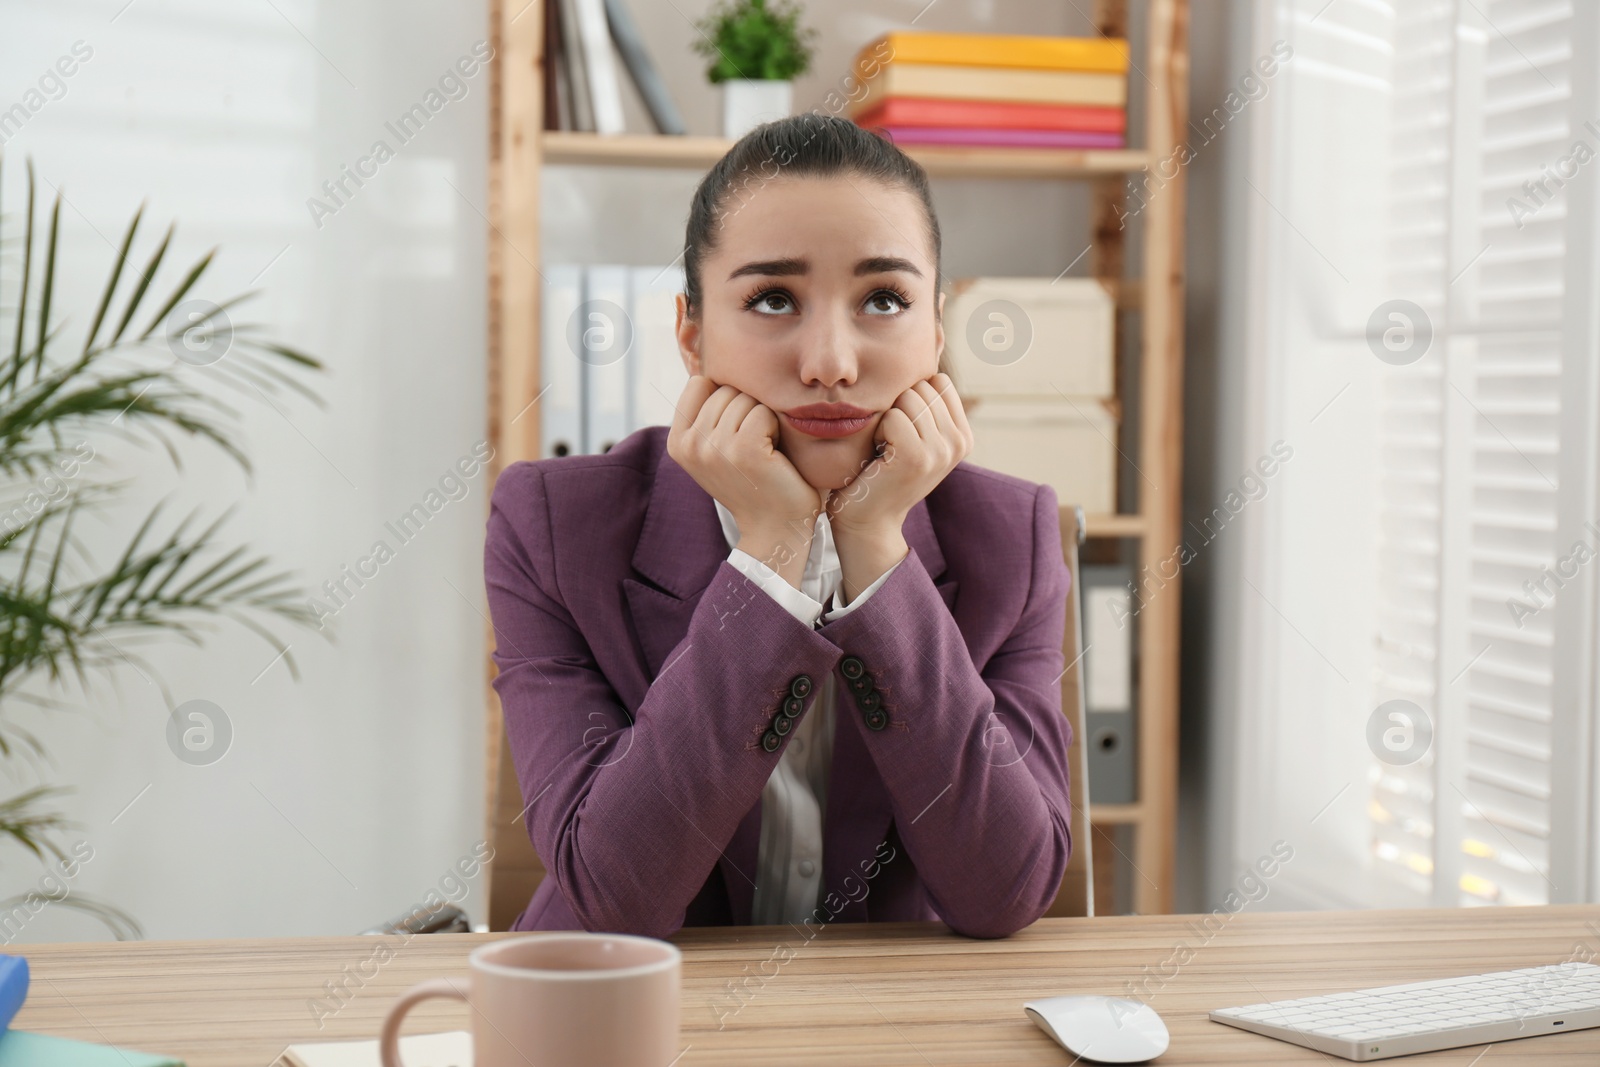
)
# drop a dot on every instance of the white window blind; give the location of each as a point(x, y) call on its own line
point(1425, 550)
point(1469, 484)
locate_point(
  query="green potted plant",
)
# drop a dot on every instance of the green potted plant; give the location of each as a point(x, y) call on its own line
point(756, 51)
point(147, 363)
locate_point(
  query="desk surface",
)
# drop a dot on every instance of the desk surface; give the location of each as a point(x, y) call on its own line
point(901, 993)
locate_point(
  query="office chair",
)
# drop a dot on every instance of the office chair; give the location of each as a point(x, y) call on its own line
point(1076, 897)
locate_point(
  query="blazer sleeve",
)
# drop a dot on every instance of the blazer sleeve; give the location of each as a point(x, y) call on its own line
point(630, 815)
point(975, 763)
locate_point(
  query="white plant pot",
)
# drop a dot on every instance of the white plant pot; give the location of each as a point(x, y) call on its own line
point(748, 102)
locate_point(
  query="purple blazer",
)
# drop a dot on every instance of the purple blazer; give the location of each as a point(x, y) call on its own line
point(640, 673)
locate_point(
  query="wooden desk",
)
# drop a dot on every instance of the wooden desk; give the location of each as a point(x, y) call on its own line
point(903, 993)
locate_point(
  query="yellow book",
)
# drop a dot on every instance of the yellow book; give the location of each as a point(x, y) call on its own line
point(985, 83)
point(1104, 55)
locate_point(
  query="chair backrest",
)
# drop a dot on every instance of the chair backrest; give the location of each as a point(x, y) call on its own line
point(1076, 896)
point(516, 870)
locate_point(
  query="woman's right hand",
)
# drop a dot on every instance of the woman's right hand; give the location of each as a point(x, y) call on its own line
point(726, 440)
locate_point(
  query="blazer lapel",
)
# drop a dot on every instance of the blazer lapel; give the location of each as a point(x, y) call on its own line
point(681, 545)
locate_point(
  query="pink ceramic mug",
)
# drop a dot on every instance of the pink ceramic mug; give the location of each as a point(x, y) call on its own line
point(573, 999)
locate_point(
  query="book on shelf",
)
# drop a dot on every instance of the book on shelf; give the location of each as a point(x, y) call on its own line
point(600, 67)
point(947, 81)
point(1105, 54)
point(557, 110)
point(999, 115)
point(588, 43)
point(642, 69)
point(985, 137)
point(574, 67)
point(994, 90)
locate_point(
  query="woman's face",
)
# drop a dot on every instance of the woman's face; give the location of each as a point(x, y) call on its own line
point(820, 290)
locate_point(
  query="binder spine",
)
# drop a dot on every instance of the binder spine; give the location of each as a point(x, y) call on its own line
point(560, 370)
point(608, 350)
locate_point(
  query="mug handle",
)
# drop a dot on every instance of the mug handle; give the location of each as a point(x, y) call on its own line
point(389, 1040)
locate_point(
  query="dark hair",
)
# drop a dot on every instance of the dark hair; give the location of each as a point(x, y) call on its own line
point(811, 144)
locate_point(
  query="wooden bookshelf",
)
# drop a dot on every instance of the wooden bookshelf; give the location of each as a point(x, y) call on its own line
point(1112, 525)
point(1115, 815)
point(520, 148)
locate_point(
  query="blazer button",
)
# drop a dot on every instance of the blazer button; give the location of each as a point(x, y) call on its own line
point(877, 720)
point(852, 667)
point(770, 741)
point(801, 686)
point(782, 724)
point(862, 685)
point(870, 702)
point(792, 707)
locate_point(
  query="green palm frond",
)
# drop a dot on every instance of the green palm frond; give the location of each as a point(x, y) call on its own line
point(33, 829)
point(65, 616)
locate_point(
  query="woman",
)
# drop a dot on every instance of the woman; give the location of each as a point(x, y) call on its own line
point(698, 739)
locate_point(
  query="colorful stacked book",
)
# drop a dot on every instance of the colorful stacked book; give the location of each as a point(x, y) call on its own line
point(994, 89)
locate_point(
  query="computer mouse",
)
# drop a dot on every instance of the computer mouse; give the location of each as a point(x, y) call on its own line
point(1101, 1029)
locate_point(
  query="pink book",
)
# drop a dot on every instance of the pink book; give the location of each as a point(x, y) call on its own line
point(1000, 138)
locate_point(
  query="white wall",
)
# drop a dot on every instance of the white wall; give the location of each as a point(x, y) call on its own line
point(346, 796)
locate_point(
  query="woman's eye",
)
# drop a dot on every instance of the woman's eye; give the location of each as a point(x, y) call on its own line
point(883, 302)
point(775, 302)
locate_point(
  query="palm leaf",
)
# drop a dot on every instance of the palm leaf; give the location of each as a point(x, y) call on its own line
point(49, 284)
point(64, 615)
point(145, 277)
point(179, 293)
point(27, 273)
point(111, 283)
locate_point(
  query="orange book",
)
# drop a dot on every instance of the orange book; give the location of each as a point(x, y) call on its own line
point(946, 81)
point(932, 111)
point(1107, 55)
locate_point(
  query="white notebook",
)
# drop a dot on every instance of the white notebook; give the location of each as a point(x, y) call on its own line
point(453, 1049)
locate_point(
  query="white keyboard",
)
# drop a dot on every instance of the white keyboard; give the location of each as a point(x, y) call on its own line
point(1398, 1020)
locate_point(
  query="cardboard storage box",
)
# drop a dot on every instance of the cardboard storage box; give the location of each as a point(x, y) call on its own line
point(1066, 443)
point(1031, 337)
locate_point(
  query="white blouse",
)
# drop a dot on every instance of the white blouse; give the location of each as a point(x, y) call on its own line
point(789, 861)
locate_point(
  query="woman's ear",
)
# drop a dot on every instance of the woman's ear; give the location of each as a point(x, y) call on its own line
point(938, 333)
point(688, 333)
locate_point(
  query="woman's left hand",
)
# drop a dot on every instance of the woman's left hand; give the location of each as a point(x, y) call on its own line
point(923, 436)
